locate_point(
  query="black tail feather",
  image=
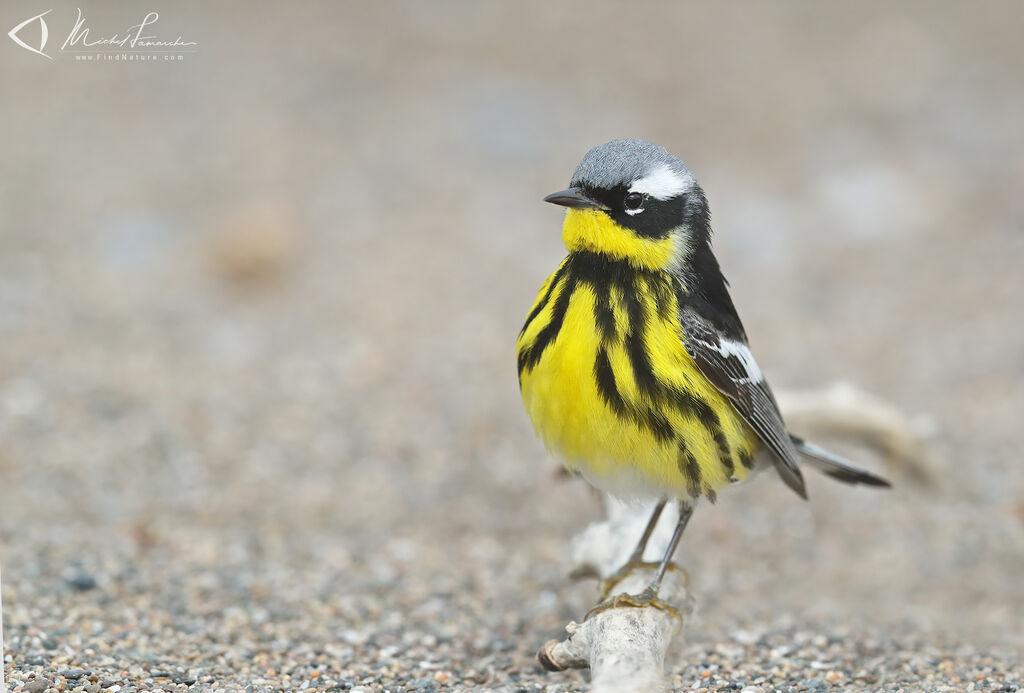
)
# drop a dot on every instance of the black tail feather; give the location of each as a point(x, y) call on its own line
point(835, 466)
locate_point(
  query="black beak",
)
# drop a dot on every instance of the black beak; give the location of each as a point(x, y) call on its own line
point(573, 197)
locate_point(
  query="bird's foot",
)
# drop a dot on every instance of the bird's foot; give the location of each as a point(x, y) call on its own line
point(606, 586)
point(649, 597)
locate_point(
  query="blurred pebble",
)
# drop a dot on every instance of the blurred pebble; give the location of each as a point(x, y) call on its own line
point(254, 246)
point(80, 580)
point(74, 674)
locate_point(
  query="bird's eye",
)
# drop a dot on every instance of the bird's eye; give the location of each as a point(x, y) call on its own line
point(633, 200)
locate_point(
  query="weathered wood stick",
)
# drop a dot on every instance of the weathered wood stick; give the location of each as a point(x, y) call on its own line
point(624, 647)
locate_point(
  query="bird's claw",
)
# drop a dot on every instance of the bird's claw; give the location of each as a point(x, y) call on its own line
point(606, 586)
point(647, 598)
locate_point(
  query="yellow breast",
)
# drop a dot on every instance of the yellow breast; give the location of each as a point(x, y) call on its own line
point(610, 388)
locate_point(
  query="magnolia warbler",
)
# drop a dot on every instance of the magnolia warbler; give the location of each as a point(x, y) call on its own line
point(633, 364)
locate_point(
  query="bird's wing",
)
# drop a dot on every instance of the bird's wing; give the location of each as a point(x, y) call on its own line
point(731, 368)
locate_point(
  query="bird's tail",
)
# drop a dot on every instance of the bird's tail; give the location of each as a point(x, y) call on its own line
point(834, 465)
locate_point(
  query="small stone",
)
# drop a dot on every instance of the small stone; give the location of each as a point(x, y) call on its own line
point(36, 686)
point(74, 674)
point(80, 580)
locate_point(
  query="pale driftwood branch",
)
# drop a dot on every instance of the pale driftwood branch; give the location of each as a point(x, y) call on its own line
point(847, 412)
point(625, 647)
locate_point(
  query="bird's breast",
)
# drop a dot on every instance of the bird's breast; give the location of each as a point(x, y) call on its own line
point(609, 386)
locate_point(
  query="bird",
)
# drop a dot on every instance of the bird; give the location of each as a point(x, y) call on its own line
point(633, 363)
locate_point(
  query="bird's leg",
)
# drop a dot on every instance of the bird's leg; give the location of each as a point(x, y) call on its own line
point(636, 559)
point(649, 597)
point(685, 512)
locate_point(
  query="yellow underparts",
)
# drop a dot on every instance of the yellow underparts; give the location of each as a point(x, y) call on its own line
point(591, 229)
point(613, 445)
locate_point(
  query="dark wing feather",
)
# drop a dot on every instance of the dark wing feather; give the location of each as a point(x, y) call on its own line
point(727, 363)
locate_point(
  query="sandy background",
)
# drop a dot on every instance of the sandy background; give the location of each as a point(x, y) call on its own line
point(259, 422)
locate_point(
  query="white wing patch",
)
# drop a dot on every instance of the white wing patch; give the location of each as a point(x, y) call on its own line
point(662, 183)
point(741, 352)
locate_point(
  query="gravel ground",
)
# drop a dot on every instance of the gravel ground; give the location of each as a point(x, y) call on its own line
point(259, 426)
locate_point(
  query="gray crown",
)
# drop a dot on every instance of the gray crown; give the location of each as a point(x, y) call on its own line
point(620, 162)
